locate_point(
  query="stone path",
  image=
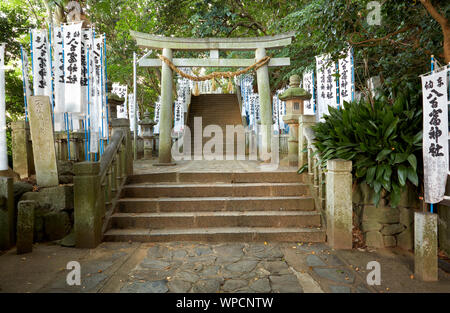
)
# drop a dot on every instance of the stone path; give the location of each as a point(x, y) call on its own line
point(234, 267)
point(201, 267)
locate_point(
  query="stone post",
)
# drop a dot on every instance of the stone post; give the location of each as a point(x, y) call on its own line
point(89, 205)
point(304, 122)
point(44, 153)
point(25, 226)
point(22, 152)
point(124, 125)
point(7, 216)
point(339, 204)
point(165, 117)
point(425, 247)
point(262, 75)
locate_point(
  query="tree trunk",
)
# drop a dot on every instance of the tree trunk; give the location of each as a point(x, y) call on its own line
point(444, 25)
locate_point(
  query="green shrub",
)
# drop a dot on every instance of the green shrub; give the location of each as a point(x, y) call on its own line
point(383, 140)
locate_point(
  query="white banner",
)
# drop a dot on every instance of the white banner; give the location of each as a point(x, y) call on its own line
point(131, 111)
point(42, 74)
point(157, 112)
point(345, 78)
point(86, 43)
point(308, 85)
point(435, 135)
point(326, 85)
point(121, 91)
point(58, 72)
point(97, 97)
point(178, 116)
point(72, 67)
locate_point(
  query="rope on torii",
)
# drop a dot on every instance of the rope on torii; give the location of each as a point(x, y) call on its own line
point(212, 76)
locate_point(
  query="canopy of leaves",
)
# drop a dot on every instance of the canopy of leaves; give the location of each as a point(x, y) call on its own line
point(398, 49)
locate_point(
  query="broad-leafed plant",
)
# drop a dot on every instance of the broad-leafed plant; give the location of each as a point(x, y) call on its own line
point(383, 140)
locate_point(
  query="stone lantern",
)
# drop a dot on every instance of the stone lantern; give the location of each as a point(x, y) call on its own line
point(147, 133)
point(294, 97)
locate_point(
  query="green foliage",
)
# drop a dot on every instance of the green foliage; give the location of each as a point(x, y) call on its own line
point(383, 141)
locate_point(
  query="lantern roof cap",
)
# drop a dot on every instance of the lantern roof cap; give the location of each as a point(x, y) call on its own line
point(294, 91)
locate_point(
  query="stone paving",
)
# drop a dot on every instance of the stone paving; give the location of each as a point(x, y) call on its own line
point(201, 267)
point(234, 267)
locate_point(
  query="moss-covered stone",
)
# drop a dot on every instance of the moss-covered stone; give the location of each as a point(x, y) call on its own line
point(392, 229)
point(374, 239)
point(389, 241)
point(25, 223)
point(57, 225)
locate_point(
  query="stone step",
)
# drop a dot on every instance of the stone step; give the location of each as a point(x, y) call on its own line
point(218, 234)
point(220, 177)
point(215, 219)
point(214, 190)
point(211, 204)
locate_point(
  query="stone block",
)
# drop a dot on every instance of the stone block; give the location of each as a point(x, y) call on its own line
point(425, 246)
point(21, 149)
point(371, 225)
point(381, 215)
point(405, 240)
point(7, 213)
point(367, 193)
point(357, 196)
point(20, 188)
point(57, 225)
point(392, 229)
point(406, 216)
point(44, 153)
point(55, 198)
point(374, 239)
point(25, 223)
point(389, 241)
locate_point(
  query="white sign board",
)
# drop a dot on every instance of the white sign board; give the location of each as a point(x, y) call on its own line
point(435, 135)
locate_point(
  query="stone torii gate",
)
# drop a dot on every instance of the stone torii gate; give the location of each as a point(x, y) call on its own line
point(214, 45)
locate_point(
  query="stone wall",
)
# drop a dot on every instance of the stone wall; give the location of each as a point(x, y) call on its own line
point(384, 226)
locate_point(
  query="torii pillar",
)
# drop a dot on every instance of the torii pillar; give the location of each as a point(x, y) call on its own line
point(262, 76)
point(165, 117)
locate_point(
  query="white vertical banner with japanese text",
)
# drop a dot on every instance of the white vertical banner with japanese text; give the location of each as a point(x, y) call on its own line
point(58, 71)
point(322, 107)
point(435, 135)
point(345, 78)
point(72, 67)
point(96, 101)
point(308, 85)
point(178, 116)
point(326, 84)
point(131, 111)
point(86, 43)
point(157, 112)
point(42, 73)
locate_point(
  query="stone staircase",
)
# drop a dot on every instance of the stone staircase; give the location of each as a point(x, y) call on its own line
point(215, 207)
point(215, 109)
